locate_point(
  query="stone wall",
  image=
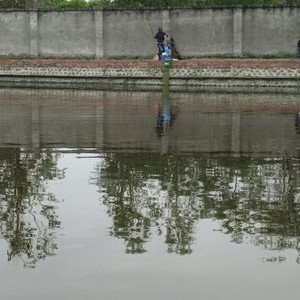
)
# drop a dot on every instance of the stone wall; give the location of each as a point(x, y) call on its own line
point(114, 74)
point(111, 33)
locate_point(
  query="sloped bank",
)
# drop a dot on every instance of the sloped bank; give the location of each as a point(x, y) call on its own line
point(147, 74)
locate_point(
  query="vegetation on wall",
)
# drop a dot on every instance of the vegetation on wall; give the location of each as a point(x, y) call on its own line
point(121, 4)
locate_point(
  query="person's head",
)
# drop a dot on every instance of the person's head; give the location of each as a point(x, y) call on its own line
point(159, 29)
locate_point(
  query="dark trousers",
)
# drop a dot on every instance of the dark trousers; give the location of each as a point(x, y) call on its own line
point(160, 47)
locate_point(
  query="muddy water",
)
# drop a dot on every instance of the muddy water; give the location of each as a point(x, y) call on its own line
point(110, 195)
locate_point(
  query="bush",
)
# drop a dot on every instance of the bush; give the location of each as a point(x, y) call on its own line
point(21, 4)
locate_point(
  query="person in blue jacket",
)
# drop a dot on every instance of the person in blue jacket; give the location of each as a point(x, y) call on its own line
point(160, 37)
point(167, 51)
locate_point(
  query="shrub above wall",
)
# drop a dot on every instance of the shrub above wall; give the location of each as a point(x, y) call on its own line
point(140, 4)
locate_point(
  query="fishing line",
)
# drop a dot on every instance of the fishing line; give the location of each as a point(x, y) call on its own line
point(150, 25)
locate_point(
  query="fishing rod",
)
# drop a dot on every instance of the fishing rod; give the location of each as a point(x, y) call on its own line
point(150, 25)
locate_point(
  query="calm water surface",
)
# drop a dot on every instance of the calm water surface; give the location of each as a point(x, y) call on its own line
point(136, 195)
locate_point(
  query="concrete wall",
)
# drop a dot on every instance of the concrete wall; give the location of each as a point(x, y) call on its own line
point(198, 32)
point(15, 33)
point(66, 34)
point(271, 31)
point(203, 32)
point(128, 33)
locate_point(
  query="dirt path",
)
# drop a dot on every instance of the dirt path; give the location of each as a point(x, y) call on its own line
point(192, 63)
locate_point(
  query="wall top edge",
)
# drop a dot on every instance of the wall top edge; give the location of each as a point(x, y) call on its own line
point(151, 8)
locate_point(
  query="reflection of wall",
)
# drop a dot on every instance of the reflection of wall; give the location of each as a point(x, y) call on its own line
point(257, 124)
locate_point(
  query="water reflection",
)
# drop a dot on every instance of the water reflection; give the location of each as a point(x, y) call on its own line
point(261, 125)
point(163, 117)
point(28, 215)
point(210, 156)
point(255, 201)
point(166, 113)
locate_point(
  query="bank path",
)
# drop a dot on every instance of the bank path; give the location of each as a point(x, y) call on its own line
point(192, 63)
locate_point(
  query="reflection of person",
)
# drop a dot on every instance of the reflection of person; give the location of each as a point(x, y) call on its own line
point(160, 37)
point(163, 119)
point(297, 122)
point(163, 114)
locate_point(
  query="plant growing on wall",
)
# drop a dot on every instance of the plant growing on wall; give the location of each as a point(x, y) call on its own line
point(121, 4)
point(12, 4)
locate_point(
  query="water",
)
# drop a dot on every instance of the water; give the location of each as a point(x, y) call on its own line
point(128, 195)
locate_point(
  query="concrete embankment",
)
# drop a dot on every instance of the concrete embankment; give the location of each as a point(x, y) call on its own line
point(147, 74)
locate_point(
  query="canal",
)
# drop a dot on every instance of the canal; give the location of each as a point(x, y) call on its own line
point(149, 195)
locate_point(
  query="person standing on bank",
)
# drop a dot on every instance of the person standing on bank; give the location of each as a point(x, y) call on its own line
point(160, 37)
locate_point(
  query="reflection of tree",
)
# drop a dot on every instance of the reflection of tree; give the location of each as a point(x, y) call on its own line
point(25, 206)
point(266, 204)
point(254, 200)
point(121, 187)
